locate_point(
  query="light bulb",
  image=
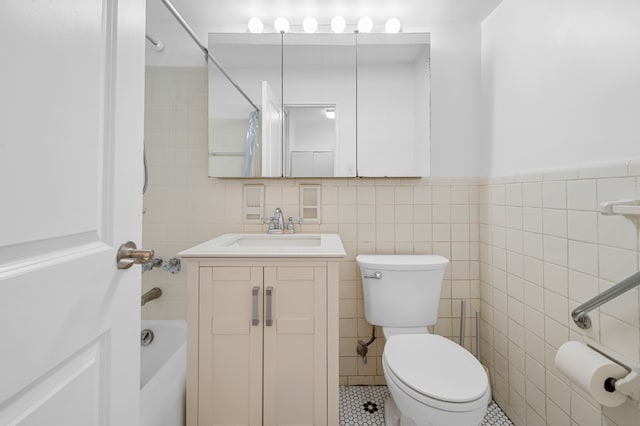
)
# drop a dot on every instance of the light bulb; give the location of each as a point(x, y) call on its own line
point(281, 25)
point(365, 24)
point(338, 24)
point(392, 25)
point(310, 24)
point(255, 25)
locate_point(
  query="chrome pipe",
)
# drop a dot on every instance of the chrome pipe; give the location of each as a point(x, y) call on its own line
point(204, 49)
point(463, 309)
point(478, 334)
point(580, 314)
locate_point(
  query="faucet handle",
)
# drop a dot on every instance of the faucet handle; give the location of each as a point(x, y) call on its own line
point(270, 221)
point(290, 226)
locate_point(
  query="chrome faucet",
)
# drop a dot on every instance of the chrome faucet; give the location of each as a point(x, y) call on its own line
point(154, 293)
point(276, 222)
point(278, 219)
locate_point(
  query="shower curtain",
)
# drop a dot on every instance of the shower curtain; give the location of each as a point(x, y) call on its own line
point(251, 143)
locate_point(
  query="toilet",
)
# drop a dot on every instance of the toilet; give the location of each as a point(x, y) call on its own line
point(432, 380)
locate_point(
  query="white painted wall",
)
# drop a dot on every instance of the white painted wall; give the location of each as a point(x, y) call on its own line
point(455, 100)
point(561, 83)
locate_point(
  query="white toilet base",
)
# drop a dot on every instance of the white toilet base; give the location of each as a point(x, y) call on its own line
point(392, 416)
point(414, 413)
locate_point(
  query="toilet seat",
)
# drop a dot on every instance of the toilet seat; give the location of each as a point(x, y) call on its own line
point(435, 371)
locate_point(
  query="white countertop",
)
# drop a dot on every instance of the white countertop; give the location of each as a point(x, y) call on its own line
point(268, 245)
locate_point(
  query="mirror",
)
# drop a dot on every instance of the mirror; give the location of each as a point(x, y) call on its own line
point(319, 95)
point(316, 93)
point(242, 142)
point(310, 139)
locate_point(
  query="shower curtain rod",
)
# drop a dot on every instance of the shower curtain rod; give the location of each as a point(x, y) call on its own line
point(193, 36)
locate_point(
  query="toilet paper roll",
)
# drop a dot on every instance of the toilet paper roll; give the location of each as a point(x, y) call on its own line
point(589, 370)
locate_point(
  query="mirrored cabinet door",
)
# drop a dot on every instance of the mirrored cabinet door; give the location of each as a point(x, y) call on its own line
point(319, 103)
point(393, 105)
point(245, 137)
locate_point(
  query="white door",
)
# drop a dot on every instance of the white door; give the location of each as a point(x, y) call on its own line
point(271, 132)
point(71, 130)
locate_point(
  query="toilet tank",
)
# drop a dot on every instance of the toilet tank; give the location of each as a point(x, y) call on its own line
point(401, 290)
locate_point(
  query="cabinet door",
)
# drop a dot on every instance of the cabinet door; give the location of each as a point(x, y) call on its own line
point(230, 351)
point(295, 346)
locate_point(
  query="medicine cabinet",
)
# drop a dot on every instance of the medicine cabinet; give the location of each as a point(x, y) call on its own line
point(330, 105)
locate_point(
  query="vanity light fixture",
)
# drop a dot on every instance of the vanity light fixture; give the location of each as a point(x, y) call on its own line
point(255, 25)
point(281, 24)
point(392, 25)
point(338, 24)
point(310, 25)
point(365, 24)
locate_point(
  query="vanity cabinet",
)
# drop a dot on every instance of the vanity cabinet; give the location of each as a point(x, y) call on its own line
point(262, 341)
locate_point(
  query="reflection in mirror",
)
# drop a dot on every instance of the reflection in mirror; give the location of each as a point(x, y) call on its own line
point(393, 105)
point(243, 142)
point(319, 77)
point(310, 140)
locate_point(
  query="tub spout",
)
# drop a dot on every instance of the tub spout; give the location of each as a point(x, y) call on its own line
point(154, 293)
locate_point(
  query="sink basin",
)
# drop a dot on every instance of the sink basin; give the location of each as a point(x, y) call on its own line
point(283, 240)
point(268, 245)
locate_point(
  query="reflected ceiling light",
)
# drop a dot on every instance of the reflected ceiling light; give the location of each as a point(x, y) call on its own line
point(330, 113)
point(365, 24)
point(255, 25)
point(338, 24)
point(392, 25)
point(310, 24)
point(281, 24)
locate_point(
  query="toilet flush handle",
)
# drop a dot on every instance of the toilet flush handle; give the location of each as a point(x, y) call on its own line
point(376, 275)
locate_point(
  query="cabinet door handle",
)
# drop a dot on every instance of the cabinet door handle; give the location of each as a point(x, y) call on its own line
point(254, 306)
point(268, 321)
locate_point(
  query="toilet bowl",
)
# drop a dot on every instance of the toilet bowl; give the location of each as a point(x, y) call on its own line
point(432, 380)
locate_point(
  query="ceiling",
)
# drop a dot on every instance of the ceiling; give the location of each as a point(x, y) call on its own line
point(235, 13)
point(206, 16)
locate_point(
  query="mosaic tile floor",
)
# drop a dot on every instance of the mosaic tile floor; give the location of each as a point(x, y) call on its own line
point(364, 405)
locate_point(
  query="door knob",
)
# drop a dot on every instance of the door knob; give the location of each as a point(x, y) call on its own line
point(129, 254)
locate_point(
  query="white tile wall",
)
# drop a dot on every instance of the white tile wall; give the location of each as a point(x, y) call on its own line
point(524, 250)
point(569, 253)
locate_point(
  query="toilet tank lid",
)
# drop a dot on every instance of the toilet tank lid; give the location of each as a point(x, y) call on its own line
point(402, 262)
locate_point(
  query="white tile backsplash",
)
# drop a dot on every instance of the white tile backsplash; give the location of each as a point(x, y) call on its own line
point(582, 195)
point(532, 219)
point(532, 194)
point(583, 257)
point(554, 194)
point(582, 226)
point(615, 189)
point(570, 253)
point(618, 231)
point(554, 222)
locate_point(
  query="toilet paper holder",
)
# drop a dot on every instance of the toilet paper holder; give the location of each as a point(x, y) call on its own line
point(629, 385)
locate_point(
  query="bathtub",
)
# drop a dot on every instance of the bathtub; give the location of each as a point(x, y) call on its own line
point(163, 373)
